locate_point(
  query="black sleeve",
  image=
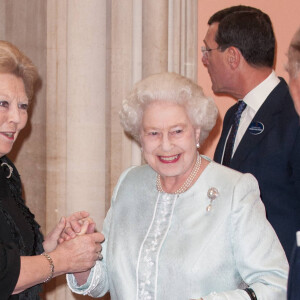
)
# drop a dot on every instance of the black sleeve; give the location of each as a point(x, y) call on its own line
point(10, 264)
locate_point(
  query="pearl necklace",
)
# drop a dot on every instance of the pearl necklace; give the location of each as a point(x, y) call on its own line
point(188, 181)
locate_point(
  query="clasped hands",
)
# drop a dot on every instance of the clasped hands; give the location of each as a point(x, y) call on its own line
point(78, 224)
point(75, 242)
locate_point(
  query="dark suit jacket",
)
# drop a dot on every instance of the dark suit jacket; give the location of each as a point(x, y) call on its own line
point(294, 275)
point(273, 157)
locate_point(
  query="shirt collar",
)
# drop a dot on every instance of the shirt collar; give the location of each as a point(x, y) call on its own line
point(256, 97)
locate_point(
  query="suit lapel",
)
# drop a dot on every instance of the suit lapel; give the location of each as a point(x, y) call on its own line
point(265, 115)
point(226, 127)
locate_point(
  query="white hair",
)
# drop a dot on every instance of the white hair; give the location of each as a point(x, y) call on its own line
point(168, 87)
point(294, 55)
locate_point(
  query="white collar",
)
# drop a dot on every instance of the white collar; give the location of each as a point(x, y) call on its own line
point(256, 97)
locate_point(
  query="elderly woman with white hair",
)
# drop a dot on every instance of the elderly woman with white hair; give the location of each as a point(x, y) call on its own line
point(182, 226)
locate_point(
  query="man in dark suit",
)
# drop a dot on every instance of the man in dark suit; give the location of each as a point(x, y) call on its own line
point(261, 133)
point(293, 68)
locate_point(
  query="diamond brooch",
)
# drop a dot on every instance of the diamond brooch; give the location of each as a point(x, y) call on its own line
point(212, 194)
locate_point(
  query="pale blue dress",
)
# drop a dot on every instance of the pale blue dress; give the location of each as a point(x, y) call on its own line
point(164, 246)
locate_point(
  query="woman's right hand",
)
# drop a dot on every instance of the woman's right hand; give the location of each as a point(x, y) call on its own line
point(52, 238)
point(78, 223)
point(78, 254)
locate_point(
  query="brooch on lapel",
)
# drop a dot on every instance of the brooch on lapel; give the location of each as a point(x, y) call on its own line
point(10, 169)
point(212, 194)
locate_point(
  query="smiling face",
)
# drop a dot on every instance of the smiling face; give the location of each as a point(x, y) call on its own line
point(13, 110)
point(169, 140)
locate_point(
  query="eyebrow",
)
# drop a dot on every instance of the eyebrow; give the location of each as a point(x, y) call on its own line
point(3, 94)
point(171, 127)
point(179, 124)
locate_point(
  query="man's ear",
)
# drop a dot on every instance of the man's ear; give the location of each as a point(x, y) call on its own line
point(233, 57)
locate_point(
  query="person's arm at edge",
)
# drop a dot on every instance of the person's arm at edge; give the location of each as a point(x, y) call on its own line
point(75, 255)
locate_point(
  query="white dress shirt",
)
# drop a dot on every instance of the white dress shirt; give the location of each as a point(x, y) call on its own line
point(254, 100)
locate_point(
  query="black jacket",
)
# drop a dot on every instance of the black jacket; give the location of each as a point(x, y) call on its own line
point(19, 233)
point(273, 157)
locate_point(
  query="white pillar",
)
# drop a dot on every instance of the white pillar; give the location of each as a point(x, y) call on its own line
point(76, 121)
point(183, 39)
point(97, 50)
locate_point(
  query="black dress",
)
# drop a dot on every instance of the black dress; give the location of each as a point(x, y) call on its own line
point(19, 233)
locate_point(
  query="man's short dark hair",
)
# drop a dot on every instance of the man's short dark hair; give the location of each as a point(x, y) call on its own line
point(248, 29)
point(221, 14)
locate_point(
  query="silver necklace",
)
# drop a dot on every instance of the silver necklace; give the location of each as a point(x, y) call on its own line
point(188, 181)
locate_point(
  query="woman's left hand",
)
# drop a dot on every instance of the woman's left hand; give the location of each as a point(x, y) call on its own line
point(67, 228)
point(52, 238)
point(78, 223)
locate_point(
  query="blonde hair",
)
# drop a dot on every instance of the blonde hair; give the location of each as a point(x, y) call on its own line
point(13, 61)
point(168, 87)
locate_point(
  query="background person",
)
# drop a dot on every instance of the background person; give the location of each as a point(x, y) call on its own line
point(239, 56)
point(22, 268)
point(182, 226)
point(293, 68)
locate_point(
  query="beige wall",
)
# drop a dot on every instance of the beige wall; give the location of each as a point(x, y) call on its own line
point(285, 19)
point(23, 23)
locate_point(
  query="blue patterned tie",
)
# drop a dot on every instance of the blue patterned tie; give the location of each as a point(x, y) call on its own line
point(231, 138)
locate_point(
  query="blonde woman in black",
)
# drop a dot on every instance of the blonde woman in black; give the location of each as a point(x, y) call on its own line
point(26, 260)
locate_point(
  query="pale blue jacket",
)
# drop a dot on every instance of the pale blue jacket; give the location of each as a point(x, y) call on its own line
point(162, 246)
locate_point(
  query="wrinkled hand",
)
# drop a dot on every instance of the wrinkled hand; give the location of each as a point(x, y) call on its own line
point(79, 254)
point(78, 223)
point(52, 238)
